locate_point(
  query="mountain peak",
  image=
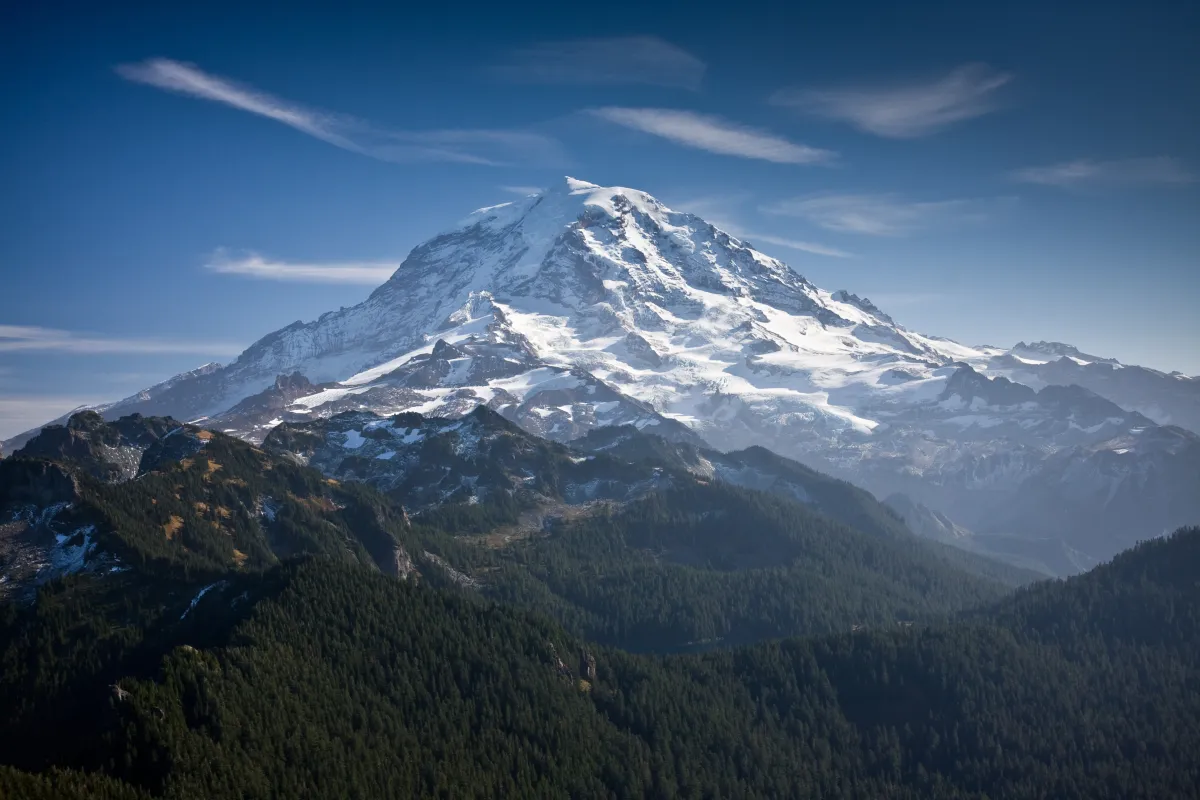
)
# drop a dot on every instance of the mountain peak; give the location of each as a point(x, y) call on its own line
point(1056, 351)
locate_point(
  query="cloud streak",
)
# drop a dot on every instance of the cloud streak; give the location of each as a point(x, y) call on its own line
point(904, 112)
point(605, 61)
point(30, 339)
point(901, 299)
point(878, 214)
point(1126, 172)
point(523, 191)
point(713, 208)
point(714, 134)
point(466, 146)
point(253, 265)
point(796, 244)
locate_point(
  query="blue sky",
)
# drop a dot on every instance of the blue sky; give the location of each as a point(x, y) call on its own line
point(179, 181)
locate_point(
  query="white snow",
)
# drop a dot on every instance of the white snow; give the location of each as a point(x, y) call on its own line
point(325, 396)
point(199, 594)
point(65, 559)
point(412, 435)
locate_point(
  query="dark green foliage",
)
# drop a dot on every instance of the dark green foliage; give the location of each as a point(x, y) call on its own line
point(980, 565)
point(759, 468)
point(334, 681)
point(708, 563)
point(252, 647)
point(58, 784)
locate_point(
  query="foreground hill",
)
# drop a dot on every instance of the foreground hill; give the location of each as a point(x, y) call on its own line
point(322, 679)
point(630, 552)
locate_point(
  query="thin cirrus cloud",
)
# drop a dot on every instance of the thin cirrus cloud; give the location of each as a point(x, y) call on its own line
point(880, 214)
point(714, 134)
point(523, 191)
point(1124, 172)
point(909, 111)
point(253, 265)
point(713, 209)
point(802, 246)
point(907, 299)
point(32, 339)
point(464, 146)
point(604, 61)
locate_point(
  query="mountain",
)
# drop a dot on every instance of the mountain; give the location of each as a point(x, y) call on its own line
point(114, 451)
point(636, 553)
point(584, 306)
point(1044, 557)
point(482, 458)
point(199, 505)
point(1168, 398)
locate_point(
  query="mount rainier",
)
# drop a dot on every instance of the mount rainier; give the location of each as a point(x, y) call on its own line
point(585, 306)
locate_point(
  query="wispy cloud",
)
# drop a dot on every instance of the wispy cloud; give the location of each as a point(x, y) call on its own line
point(467, 146)
point(905, 111)
point(1126, 172)
point(905, 299)
point(715, 209)
point(26, 338)
point(253, 265)
point(796, 244)
point(714, 134)
point(880, 214)
point(524, 191)
point(615, 60)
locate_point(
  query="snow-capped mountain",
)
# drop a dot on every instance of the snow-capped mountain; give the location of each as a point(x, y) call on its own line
point(585, 306)
point(1168, 398)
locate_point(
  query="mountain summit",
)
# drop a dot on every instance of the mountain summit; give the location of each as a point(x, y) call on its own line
point(585, 306)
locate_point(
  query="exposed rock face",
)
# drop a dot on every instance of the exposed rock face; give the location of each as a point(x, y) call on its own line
point(40, 536)
point(110, 451)
point(587, 665)
point(970, 386)
point(403, 564)
point(35, 483)
point(431, 460)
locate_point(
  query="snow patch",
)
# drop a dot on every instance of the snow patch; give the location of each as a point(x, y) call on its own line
point(199, 595)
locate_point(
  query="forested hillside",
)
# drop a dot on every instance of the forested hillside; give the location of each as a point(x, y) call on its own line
point(682, 562)
point(320, 678)
point(708, 563)
point(232, 623)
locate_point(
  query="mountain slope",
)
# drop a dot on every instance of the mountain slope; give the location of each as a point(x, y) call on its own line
point(629, 552)
point(1167, 398)
point(202, 504)
point(586, 306)
point(529, 482)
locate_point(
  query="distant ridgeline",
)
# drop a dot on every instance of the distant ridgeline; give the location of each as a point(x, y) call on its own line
point(396, 607)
